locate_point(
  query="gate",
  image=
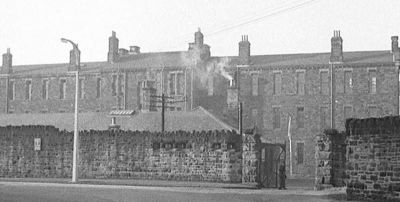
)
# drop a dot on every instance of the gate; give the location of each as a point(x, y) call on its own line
point(272, 156)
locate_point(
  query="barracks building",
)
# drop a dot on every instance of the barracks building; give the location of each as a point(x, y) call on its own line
point(316, 90)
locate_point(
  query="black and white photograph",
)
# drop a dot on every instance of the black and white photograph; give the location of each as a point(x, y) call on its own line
point(199, 100)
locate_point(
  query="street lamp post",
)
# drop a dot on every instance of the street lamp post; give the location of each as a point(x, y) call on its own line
point(76, 132)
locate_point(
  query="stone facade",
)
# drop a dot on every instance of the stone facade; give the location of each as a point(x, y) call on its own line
point(318, 90)
point(198, 156)
point(373, 159)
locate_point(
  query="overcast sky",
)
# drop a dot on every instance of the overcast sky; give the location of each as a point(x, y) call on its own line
point(32, 29)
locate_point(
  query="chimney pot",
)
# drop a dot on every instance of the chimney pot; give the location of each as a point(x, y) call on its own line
point(134, 50)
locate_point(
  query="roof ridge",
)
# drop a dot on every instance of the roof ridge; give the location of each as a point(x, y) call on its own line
point(223, 124)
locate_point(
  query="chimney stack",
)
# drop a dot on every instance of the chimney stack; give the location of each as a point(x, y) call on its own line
point(112, 48)
point(7, 63)
point(395, 43)
point(336, 47)
point(73, 60)
point(244, 50)
point(199, 50)
point(198, 37)
point(395, 49)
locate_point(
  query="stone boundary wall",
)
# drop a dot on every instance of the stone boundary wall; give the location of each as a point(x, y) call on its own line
point(198, 156)
point(373, 163)
point(330, 155)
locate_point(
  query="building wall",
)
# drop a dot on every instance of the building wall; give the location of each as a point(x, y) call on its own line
point(258, 108)
point(127, 98)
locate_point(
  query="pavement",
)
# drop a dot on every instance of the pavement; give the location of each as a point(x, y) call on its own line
point(59, 189)
point(292, 184)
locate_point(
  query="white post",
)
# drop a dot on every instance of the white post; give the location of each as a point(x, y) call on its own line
point(76, 132)
point(290, 149)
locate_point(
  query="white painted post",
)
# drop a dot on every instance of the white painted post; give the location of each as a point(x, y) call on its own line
point(76, 133)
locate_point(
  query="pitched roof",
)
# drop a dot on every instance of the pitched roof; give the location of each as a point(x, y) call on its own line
point(154, 60)
point(197, 119)
point(55, 68)
point(318, 58)
point(182, 59)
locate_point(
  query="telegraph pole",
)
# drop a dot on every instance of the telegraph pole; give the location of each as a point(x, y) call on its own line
point(163, 106)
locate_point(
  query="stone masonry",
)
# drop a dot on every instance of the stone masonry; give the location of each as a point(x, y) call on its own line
point(198, 156)
point(330, 150)
point(373, 164)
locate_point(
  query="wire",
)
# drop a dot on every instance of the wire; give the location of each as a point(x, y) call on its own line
point(262, 17)
point(276, 10)
point(257, 14)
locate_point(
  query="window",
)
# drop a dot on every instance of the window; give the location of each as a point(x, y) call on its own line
point(372, 111)
point(63, 88)
point(172, 79)
point(98, 88)
point(81, 91)
point(254, 84)
point(45, 89)
point(210, 84)
point(254, 116)
point(348, 112)
point(176, 81)
point(300, 117)
point(372, 81)
point(348, 82)
point(277, 83)
point(324, 78)
point(114, 85)
point(145, 92)
point(12, 90)
point(179, 83)
point(300, 153)
point(277, 118)
point(140, 95)
point(121, 85)
point(300, 81)
point(28, 89)
point(117, 85)
point(324, 117)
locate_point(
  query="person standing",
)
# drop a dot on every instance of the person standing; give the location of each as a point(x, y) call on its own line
point(282, 176)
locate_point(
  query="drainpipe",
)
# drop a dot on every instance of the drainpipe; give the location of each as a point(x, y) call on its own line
point(397, 65)
point(162, 79)
point(332, 97)
point(191, 85)
point(125, 89)
point(7, 94)
point(186, 103)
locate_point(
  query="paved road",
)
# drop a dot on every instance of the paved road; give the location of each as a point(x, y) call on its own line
point(46, 192)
